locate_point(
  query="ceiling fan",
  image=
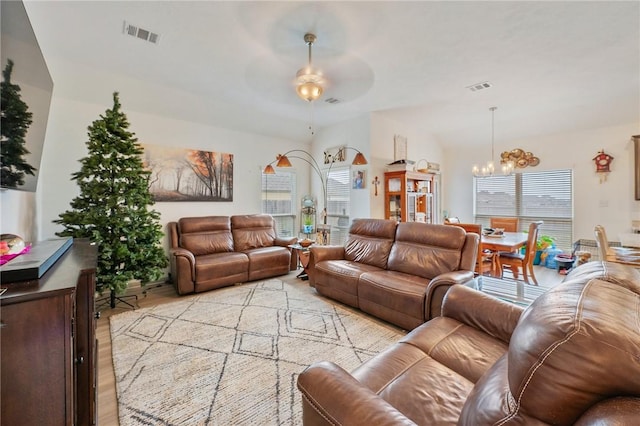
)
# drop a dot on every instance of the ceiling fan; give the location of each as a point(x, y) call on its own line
point(339, 76)
point(309, 80)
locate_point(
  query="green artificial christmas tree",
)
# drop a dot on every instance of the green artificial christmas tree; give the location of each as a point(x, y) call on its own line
point(14, 123)
point(113, 206)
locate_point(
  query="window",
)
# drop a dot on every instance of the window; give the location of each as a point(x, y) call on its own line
point(338, 203)
point(278, 200)
point(546, 196)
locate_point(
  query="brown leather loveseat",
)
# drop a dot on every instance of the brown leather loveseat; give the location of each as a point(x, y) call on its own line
point(572, 357)
point(397, 272)
point(216, 251)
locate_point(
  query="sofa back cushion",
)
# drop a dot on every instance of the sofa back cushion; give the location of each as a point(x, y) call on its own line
point(253, 231)
point(205, 235)
point(370, 241)
point(427, 250)
point(575, 346)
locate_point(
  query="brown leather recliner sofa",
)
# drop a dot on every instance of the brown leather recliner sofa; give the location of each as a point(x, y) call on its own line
point(572, 357)
point(395, 271)
point(216, 251)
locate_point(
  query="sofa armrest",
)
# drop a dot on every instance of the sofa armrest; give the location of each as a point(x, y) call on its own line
point(332, 396)
point(481, 311)
point(318, 254)
point(614, 411)
point(286, 242)
point(183, 270)
point(438, 287)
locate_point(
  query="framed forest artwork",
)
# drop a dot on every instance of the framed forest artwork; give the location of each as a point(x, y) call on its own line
point(179, 174)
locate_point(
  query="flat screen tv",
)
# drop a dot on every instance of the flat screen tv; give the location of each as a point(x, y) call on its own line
point(30, 72)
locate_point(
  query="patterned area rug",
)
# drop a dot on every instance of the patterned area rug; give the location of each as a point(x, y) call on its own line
point(232, 356)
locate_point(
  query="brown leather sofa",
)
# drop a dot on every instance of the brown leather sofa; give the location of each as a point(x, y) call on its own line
point(216, 251)
point(397, 272)
point(572, 357)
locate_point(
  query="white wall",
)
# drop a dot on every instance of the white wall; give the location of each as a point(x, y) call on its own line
point(420, 146)
point(66, 145)
point(609, 203)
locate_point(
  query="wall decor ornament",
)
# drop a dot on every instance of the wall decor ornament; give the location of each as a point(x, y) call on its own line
point(359, 179)
point(519, 158)
point(375, 182)
point(335, 155)
point(399, 147)
point(179, 174)
point(603, 161)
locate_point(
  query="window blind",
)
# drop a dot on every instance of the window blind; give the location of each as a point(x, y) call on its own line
point(338, 195)
point(531, 196)
point(338, 203)
point(279, 200)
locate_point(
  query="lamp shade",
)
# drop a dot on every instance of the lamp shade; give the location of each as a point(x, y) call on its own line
point(283, 161)
point(269, 170)
point(359, 159)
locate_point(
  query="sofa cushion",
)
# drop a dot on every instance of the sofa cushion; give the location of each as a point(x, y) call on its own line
point(393, 296)
point(422, 388)
point(426, 250)
point(208, 267)
point(268, 261)
point(206, 235)
point(253, 231)
point(338, 279)
point(370, 241)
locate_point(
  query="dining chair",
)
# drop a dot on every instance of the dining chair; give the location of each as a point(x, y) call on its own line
point(606, 251)
point(485, 261)
point(508, 224)
point(602, 242)
point(515, 262)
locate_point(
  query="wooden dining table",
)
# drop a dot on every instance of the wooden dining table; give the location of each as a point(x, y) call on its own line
point(508, 242)
point(625, 256)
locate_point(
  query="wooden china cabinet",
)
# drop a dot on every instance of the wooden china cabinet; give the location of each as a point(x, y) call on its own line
point(48, 344)
point(409, 196)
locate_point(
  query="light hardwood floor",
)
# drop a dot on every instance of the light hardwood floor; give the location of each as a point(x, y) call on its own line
point(164, 293)
point(107, 404)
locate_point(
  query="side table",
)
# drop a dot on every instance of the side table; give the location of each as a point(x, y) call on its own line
point(303, 260)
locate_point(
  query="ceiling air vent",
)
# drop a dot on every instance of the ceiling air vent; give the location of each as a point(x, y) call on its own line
point(479, 86)
point(332, 101)
point(135, 31)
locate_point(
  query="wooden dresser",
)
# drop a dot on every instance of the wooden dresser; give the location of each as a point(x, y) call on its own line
point(48, 347)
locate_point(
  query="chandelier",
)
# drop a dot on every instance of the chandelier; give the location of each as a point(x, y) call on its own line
point(506, 168)
point(308, 80)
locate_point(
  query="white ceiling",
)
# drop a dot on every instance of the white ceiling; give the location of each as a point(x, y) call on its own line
point(554, 66)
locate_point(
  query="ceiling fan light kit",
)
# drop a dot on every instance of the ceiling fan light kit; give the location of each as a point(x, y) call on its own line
point(309, 81)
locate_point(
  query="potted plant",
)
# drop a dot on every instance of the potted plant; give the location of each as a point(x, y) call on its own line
point(543, 243)
point(307, 220)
